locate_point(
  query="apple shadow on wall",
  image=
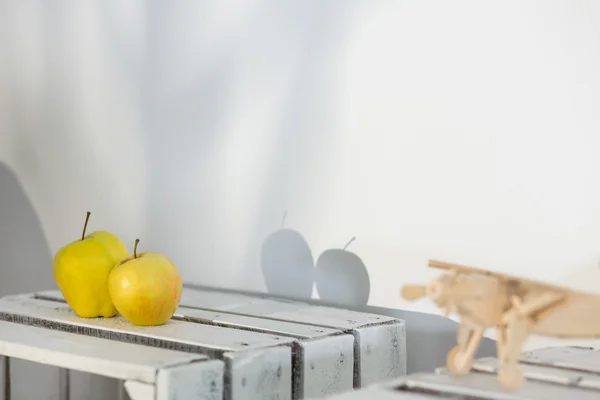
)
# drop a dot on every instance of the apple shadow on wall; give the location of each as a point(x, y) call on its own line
point(342, 279)
point(287, 264)
point(289, 269)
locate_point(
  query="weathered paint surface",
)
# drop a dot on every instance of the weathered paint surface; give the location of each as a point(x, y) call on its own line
point(380, 341)
point(376, 353)
point(160, 369)
point(558, 373)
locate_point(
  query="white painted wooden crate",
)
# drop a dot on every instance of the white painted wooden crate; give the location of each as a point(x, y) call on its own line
point(558, 373)
point(149, 373)
point(257, 365)
point(379, 341)
point(322, 357)
point(264, 356)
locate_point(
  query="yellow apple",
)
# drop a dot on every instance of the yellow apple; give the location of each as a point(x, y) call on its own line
point(81, 270)
point(146, 288)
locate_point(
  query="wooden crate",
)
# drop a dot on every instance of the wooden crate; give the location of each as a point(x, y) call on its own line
point(557, 373)
point(379, 341)
point(475, 386)
point(263, 356)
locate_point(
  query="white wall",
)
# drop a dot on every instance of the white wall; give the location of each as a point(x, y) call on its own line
point(463, 130)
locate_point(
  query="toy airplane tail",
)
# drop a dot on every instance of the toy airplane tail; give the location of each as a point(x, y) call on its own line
point(413, 292)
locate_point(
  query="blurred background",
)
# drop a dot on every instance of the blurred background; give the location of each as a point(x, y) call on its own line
point(466, 131)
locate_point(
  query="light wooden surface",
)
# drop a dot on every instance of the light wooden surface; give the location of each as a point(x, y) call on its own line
point(514, 307)
point(125, 361)
point(570, 316)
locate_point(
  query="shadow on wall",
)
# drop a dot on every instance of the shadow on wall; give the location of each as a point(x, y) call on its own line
point(289, 269)
point(26, 258)
point(341, 278)
point(429, 338)
point(27, 267)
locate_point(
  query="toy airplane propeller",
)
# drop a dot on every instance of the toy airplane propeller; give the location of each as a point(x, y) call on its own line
point(515, 307)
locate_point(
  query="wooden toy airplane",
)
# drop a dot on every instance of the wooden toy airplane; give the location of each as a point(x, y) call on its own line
point(515, 307)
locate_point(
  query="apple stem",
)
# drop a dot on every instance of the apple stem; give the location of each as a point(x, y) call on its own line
point(283, 219)
point(135, 248)
point(350, 241)
point(87, 218)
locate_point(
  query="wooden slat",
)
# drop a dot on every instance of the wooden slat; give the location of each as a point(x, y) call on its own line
point(83, 353)
point(178, 335)
point(276, 309)
point(486, 386)
point(283, 328)
point(544, 373)
point(217, 317)
point(386, 394)
point(583, 362)
point(567, 357)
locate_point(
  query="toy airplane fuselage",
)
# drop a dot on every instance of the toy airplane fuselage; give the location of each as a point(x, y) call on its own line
point(515, 307)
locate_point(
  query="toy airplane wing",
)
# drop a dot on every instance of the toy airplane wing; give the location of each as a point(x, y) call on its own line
point(463, 269)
